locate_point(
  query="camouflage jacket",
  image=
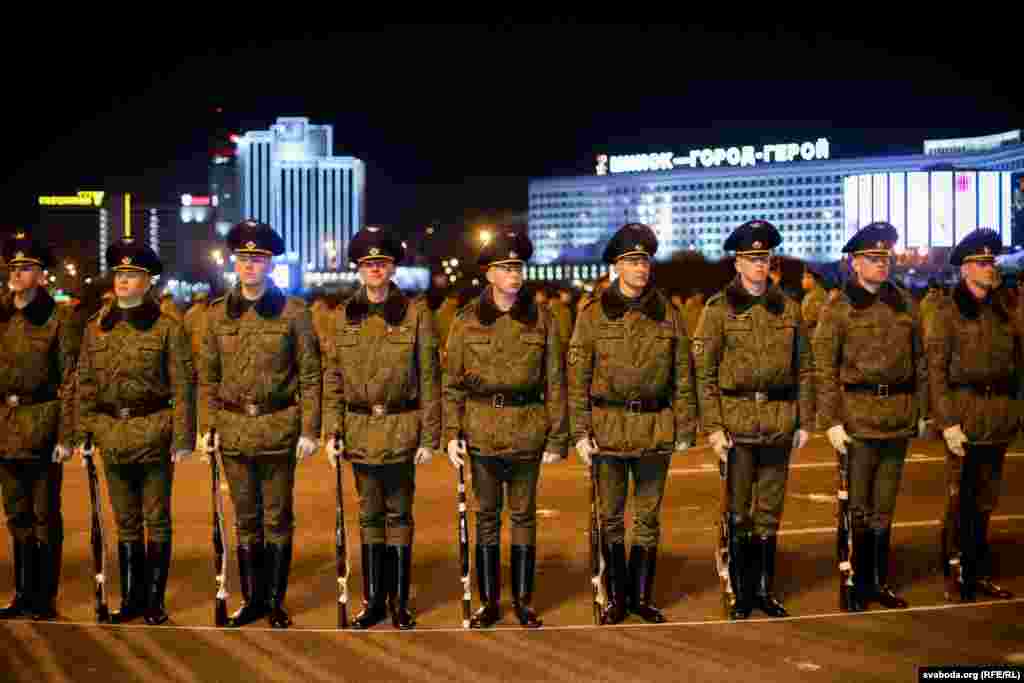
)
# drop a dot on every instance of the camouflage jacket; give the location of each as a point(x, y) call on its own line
point(493, 356)
point(747, 346)
point(811, 308)
point(385, 363)
point(973, 342)
point(38, 351)
point(621, 352)
point(867, 339)
point(562, 316)
point(263, 354)
point(136, 359)
point(692, 309)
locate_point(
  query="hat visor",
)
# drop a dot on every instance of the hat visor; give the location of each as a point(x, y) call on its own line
point(258, 252)
point(132, 269)
point(873, 252)
point(378, 257)
point(507, 260)
point(755, 252)
point(26, 262)
point(632, 253)
point(986, 258)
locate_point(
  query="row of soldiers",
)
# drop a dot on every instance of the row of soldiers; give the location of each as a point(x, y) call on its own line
point(257, 388)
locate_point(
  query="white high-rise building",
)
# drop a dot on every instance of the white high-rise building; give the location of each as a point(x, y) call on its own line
point(289, 179)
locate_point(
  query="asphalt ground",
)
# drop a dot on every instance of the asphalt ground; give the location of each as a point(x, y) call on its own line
point(817, 643)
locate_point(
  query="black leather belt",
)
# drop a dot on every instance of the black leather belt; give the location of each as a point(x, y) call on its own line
point(783, 394)
point(637, 405)
point(508, 400)
point(881, 390)
point(381, 409)
point(125, 412)
point(999, 387)
point(257, 409)
point(43, 395)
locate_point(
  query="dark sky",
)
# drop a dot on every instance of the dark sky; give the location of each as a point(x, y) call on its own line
point(451, 120)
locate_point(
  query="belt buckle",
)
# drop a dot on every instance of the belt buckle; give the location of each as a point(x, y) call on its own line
point(124, 413)
point(989, 390)
point(13, 400)
point(634, 406)
point(760, 396)
point(498, 401)
point(252, 410)
point(379, 410)
point(883, 391)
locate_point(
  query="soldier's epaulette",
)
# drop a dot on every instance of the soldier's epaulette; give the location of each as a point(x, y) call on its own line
point(218, 300)
point(716, 298)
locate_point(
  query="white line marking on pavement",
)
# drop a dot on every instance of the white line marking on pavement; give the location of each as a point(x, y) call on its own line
point(914, 458)
point(518, 629)
point(814, 497)
point(922, 523)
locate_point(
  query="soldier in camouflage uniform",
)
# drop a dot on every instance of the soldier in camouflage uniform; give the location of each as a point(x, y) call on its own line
point(382, 396)
point(754, 378)
point(259, 381)
point(931, 301)
point(39, 344)
point(136, 385)
point(814, 300)
point(631, 405)
point(504, 404)
point(872, 375)
point(974, 367)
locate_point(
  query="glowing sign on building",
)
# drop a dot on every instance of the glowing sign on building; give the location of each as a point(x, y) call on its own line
point(710, 157)
point(83, 198)
point(196, 200)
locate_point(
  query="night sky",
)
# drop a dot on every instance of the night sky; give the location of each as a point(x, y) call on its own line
point(453, 121)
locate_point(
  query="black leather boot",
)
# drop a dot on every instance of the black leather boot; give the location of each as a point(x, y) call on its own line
point(252, 579)
point(524, 563)
point(400, 578)
point(132, 559)
point(24, 580)
point(884, 593)
point(617, 574)
point(279, 564)
point(488, 579)
point(984, 584)
point(764, 557)
point(48, 557)
point(642, 563)
point(158, 559)
point(740, 575)
point(375, 586)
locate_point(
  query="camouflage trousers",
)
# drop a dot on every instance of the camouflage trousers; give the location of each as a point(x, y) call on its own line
point(386, 494)
point(876, 469)
point(141, 494)
point(757, 487)
point(262, 489)
point(650, 474)
point(31, 492)
point(490, 477)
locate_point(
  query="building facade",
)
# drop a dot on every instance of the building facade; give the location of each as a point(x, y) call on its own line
point(693, 201)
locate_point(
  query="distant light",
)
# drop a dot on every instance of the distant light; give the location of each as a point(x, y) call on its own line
point(452, 278)
point(88, 280)
point(485, 236)
point(922, 251)
point(404, 245)
point(53, 278)
point(476, 282)
point(448, 270)
point(235, 138)
point(430, 230)
point(454, 262)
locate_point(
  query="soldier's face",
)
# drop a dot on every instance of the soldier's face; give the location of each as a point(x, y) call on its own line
point(376, 272)
point(25, 277)
point(807, 282)
point(981, 274)
point(635, 271)
point(871, 269)
point(753, 270)
point(131, 284)
point(507, 278)
point(252, 269)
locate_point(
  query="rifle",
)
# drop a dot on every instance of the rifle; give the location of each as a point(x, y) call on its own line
point(725, 538)
point(597, 563)
point(340, 546)
point(99, 546)
point(467, 593)
point(844, 534)
point(220, 564)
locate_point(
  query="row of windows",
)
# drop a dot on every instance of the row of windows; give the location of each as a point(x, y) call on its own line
point(686, 200)
point(571, 234)
point(696, 208)
point(694, 187)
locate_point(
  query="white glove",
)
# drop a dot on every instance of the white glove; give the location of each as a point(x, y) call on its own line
point(922, 427)
point(81, 453)
point(333, 454)
point(682, 446)
point(800, 438)
point(549, 458)
point(423, 456)
point(457, 452)
point(955, 440)
point(305, 448)
point(720, 444)
point(203, 446)
point(838, 437)
point(61, 453)
point(181, 456)
point(586, 448)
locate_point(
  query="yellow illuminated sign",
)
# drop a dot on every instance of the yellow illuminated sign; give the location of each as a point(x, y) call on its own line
point(83, 198)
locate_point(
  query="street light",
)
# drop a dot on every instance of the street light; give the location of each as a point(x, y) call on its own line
point(485, 236)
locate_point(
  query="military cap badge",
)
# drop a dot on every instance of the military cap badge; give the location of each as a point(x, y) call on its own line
point(756, 244)
point(127, 260)
point(374, 251)
point(250, 245)
point(19, 255)
point(513, 254)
